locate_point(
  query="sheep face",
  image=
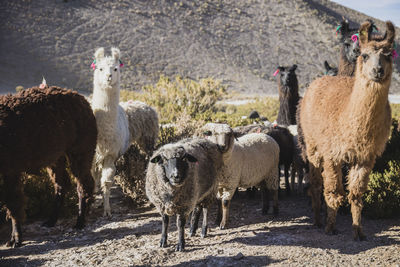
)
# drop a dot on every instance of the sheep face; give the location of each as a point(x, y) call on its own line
point(107, 69)
point(175, 165)
point(287, 77)
point(375, 61)
point(220, 134)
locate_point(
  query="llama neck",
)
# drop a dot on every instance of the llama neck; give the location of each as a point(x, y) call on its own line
point(106, 98)
point(368, 101)
point(346, 68)
point(287, 108)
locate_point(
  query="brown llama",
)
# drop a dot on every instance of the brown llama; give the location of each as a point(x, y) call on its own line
point(45, 128)
point(347, 120)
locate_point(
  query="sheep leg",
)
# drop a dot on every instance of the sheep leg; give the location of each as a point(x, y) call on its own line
point(286, 171)
point(264, 199)
point(180, 222)
point(62, 183)
point(164, 230)
point(225, 213)
point(14, 201)
point(204, 226)
point(218, 218)
point(358, 182)
point(333, 193)
point(315, 191)
point(194, 222)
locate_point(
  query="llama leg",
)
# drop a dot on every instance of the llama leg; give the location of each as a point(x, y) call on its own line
point(315, 193)
point(62, 183)
point(180, 223)
point(14, 201)
point(358, 182)
point(300, 180)
point(164, 230)
point(333, 193)
point(107, 179)
point(81, 168)
point(194, 222)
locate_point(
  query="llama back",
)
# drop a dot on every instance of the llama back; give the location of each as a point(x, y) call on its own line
point(143, 124)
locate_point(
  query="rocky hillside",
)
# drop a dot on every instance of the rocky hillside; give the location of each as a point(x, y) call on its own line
point(239, 42)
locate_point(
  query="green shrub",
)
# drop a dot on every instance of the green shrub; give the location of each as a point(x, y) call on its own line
point(382, 199)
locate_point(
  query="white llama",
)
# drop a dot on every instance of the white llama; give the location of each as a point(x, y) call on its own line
point(117, 126)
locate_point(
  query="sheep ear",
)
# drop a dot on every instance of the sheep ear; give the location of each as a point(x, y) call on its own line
point(99, 53)
point(156, 159)
point(207, 133)
point(364, 32)
point(293, 68)
point(115, 53)
point(190, 158)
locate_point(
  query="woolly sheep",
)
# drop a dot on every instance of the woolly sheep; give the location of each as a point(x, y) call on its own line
point(181, 177)
point(252, 160)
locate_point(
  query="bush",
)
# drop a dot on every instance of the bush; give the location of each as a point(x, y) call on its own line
point(382, 199)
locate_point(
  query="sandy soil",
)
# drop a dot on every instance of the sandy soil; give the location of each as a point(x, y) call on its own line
point(131, 238)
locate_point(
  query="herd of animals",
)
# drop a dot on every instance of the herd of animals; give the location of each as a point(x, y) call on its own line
point(343, 118)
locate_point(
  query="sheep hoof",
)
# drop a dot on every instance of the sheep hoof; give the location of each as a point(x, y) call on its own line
point(191, 234)
point(107, 213)
point(204, 232)
point(163, 243)
point(180, 247)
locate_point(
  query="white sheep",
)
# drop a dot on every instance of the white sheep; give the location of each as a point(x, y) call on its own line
point(251, 160)
point(181, 178)
point(117, 128)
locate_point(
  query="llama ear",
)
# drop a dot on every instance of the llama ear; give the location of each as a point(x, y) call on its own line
point(99, 53)
point(390, 32)
point(293, 68)
point(364, 32)
point(326, 64)
point(115, 53)
point(343, 28)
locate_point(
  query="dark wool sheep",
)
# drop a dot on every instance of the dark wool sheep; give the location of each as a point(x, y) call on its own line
point(331, 71)
point(45, 128)
point(181, 178)
point(288, 95)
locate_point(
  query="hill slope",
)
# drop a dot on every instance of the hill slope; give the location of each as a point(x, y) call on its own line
point(240, 42)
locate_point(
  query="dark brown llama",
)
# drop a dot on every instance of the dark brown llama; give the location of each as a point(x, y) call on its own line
point(347, 120)
point(288, 95)
point(45, 128)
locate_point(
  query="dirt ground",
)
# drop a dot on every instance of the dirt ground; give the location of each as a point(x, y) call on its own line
point(131, 238)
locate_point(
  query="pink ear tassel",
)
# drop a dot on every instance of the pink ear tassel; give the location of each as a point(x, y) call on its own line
point(93, 66)
point(276, 72)
point(354, 38)
point(394, 54)
point(121, 65)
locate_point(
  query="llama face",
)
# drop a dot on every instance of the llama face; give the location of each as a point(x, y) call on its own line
point(376, 53)
point(107, 71)
point(287, 75)
point(350, 48)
